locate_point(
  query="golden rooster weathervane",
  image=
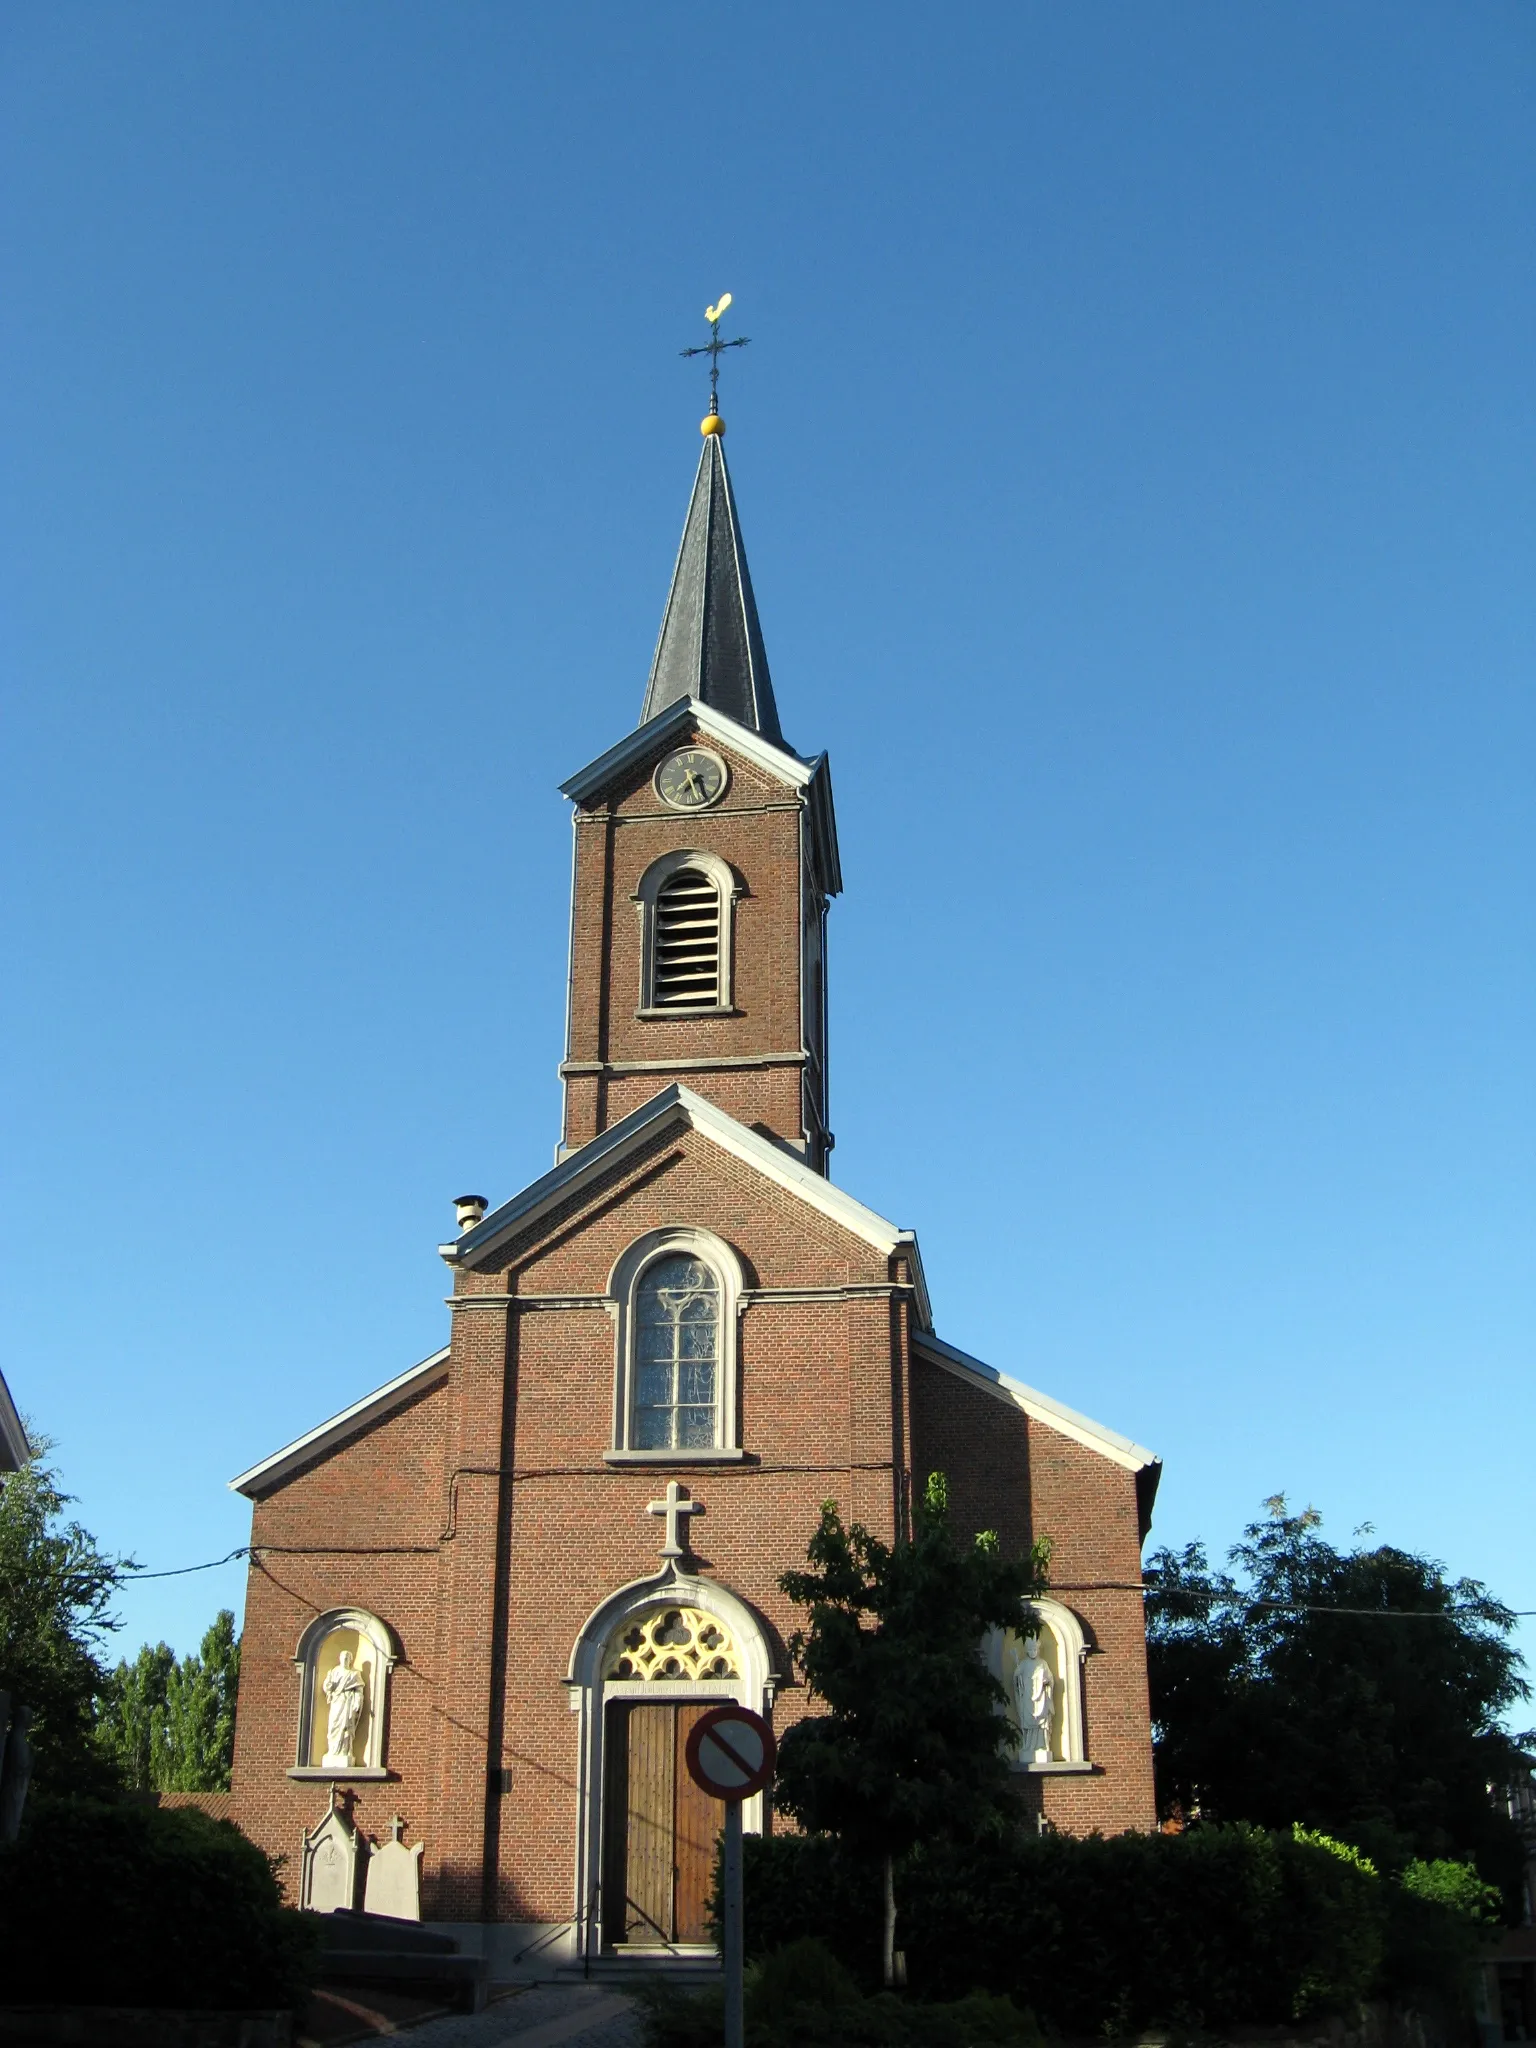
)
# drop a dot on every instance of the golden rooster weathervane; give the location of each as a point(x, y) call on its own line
point(714, 348)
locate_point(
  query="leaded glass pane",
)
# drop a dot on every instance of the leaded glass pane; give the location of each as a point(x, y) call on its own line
point(696, 1383)
point(696, 1340)
point(653, 1429)
point(695, 1428)
point(653, 1385)
point(654, 1341)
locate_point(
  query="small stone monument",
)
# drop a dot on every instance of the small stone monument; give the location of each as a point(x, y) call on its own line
point(329, 1881)
point(394, 1877)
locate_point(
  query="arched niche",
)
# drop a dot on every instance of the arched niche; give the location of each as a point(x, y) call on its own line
point(1062, 1647)
point(344, 1658)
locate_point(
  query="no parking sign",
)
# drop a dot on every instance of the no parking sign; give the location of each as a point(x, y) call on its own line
point(730, 1756)
point(730, 1753)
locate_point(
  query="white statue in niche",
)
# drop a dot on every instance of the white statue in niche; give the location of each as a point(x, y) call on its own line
point(346, 1695)
point(1034, 1697)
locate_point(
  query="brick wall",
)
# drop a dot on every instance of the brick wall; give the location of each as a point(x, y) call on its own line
point(1009, 1472)
point(547, 1531)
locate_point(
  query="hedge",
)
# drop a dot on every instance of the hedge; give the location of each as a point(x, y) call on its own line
point(1220, 1926)
point(143, 1906)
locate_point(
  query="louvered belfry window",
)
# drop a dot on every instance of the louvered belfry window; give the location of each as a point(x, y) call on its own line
point(686, 964)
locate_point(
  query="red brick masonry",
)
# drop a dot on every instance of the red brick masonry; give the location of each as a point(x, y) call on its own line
point(479, 1517)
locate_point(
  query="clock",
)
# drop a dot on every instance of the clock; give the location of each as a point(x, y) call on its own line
point(691, 779)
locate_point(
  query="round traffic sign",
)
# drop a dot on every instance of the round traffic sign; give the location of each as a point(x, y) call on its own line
point(730, 1752)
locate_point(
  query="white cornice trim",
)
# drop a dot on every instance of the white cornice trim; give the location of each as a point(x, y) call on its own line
point(776, 761)
point(678, 1107)
point(1040, 1407)
point(272, 1471)
point(15, 1447)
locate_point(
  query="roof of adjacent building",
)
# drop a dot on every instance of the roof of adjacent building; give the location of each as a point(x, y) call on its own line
point(14, 1446)
point(711, 646)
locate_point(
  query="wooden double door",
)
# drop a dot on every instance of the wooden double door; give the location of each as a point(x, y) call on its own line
point(659, 1829)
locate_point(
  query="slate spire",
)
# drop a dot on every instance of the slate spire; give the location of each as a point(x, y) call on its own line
point(711, 646)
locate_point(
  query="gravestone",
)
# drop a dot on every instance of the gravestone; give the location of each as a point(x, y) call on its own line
point(329, 1881)
point(394, 1877)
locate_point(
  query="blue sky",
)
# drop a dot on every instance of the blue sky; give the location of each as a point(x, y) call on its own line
point(1135, 457)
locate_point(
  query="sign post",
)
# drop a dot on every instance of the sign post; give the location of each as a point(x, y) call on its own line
point(730, 1756)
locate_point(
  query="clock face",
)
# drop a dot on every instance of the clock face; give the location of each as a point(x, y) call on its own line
point(690, 779)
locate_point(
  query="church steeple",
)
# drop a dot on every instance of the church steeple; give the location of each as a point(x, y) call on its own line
point(711, 645)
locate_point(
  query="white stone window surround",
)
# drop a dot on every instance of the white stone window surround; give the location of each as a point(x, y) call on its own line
point(309, 1657)
point(624, 1282)
point(1071, 1647)
point(727, 890)
point(756, 1686)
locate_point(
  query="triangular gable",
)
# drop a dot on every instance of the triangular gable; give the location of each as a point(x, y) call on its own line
point(655, 732)
point(813, 776)
point(677, 1107)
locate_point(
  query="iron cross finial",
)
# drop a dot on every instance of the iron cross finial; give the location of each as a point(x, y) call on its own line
point(714, 348)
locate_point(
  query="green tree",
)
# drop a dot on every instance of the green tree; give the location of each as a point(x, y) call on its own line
point(200, 1712)
point(168, 1724)
point(910, 1748)
point(56, 1590)
point(1379, 1723)
point(130, 1716)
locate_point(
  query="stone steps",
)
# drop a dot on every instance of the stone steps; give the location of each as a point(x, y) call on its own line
point(686, 1967)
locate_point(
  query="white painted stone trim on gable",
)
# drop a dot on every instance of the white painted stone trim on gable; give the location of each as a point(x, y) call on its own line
point(1040, 1407)
point(635, 746)
point(679, 1107)
point(813, 778)
point(282, 1464)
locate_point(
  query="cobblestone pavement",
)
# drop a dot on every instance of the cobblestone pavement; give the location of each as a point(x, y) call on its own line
point(548, 2016)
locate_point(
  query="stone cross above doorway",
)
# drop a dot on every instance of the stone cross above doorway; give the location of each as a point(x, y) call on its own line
point(675, 1507)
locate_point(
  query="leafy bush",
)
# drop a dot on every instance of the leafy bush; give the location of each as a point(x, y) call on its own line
point(1440, 1917)
point(801, 1994)
point(169, 1908)
point(797, 1886)
point(1213, 1928)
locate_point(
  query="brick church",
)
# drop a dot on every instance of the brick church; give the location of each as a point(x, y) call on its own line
point(488, 1600)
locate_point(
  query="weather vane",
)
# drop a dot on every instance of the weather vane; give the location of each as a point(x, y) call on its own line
point(714, 348)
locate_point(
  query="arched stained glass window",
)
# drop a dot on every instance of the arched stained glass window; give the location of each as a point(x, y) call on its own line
point(677, 1356)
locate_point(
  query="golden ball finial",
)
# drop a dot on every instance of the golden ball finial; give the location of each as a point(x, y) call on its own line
point(713, 425)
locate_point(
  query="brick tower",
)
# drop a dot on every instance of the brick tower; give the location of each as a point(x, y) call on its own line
point(706, 856)
point(493, 1595)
